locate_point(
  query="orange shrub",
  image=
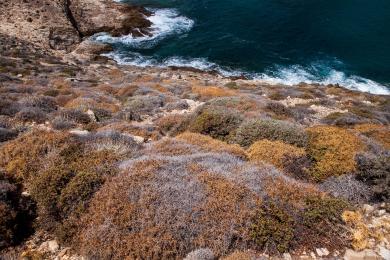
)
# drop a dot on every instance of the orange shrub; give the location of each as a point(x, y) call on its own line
point(379, 133)
point(209, 144)
point(272, 152)
point(333, 149)
point(207, 92)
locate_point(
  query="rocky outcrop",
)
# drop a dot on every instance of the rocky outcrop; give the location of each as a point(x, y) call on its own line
point(107, 16)
point(61, 24)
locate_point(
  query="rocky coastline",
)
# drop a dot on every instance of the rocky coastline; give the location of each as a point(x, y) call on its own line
point(104, 161)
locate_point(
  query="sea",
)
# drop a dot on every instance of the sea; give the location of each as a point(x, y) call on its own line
point(345, 42)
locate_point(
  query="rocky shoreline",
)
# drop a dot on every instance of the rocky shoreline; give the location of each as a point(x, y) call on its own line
point(77, 130)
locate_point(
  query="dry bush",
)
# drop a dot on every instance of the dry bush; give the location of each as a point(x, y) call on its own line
point(144, 105)
point(85, 103)
point(343, 119)
point(209, 92)
point(7, 134)
point(273, 152)
point(125, 92)
point(164, 216)
point(209, 144)
point(216, 122)
point(379, 133)
point(173, 124)
point(374, 170)
point(31, 115)
point(274, 130)
point(279, 109)
point(177, 105)
point(333, 151)
point(43, 103)
point(240, 103)
point(23, 157)
point(297, 167)
point(16, 213)
point(238, 255)
point(348, 188)
point(176, 199)
point(74, 116)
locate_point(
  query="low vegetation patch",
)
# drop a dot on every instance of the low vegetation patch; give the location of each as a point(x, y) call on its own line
point(273, 152)
point(333, 151)
point(274, 130)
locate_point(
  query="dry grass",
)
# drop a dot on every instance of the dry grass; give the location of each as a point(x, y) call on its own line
point(379, 133)
point(209, 92)
point(209, 144)
point(273, 152)
point(333, 150)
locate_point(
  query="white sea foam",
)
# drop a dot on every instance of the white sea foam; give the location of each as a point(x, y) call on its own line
point(165, 22)
point(168, 22)
point(294, 75)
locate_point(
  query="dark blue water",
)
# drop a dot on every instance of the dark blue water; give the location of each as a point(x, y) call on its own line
point(329, 41)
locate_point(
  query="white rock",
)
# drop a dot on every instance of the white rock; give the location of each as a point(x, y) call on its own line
point(139, 139)
point(366, 254)
point(91, 115)
point(49, 246)
point(287, 256)
point(322, 252)
point(385, 253)
point(368, 208)
point(79, 132)
point(381, 212)
point(200, 254)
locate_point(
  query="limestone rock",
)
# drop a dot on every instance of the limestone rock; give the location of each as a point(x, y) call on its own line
point(367, 254)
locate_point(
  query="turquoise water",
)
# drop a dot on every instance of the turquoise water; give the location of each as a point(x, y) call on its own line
point(333, 41)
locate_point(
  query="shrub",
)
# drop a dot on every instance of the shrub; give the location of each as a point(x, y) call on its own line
point(274, 130)
point(60, 123)
point(215, 122)
point(125, 92)
point(16, 214)
point(279, 109)
point(178, 105)
point(43, 103)
point(144, 105)
point(200, 254)
point(22, 157)
point(208, 92)
point(51, 92)
point(375, 171)
point(348, 188)
point(343, 119)
point(135, 209)
point(273, 152)
point(333, 151)
point(211, 145)
point(75, 115)
point(297, 166)
point(379, 133)
point(31, 115)
point(7, 134)
point(173, 124)
point(273, 228)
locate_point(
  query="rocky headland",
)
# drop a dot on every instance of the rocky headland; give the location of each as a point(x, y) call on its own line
point(103, 161)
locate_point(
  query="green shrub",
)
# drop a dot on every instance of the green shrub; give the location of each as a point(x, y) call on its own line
point(274, 130)
point(215, 122)
point(273, 228)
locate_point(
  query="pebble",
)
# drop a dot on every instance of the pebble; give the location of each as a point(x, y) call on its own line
point(368, 208)
point(287, 256)
point(366, 254)
point(385, 253)
point(322, 252)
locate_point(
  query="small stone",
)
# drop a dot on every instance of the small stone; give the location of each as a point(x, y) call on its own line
point(322, 252)
point(366, 254)
point(91, 115)
point(313, 255)
point(381, 212)
point(368, 208)
point(79, 132)
point(287, 256)
point(385, 253)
